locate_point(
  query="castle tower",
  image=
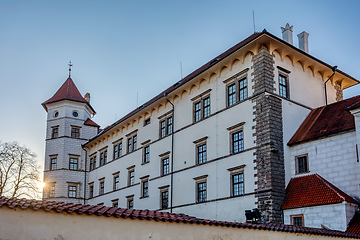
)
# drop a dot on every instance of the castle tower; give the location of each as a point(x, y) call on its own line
point(69, 125)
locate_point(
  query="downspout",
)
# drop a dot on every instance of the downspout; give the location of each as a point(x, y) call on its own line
point(172, 155)
point(85, 175)
point(333, 69)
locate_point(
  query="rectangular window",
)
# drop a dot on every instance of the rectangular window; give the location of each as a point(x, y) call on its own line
point(283, 86)
point(297, 220)
point(132, 143)
point(55, 132)
point(147, 122)
point(237, 142)
point(117, 150)
point(237, 184)
point(201, 192)
point(103, 157)
point(146, 154)
point(301, 164)
point(52, 190)
point(166, 127)
point(165, 166)
point(72, 191)
point(201, 154)
point(130, 202)
point(116, 184)
point(145, 188)
point(115, 203)
point(242, 89)
point(231, 95)
point(91, 190)
point(75, 132)
point(73, 164)
point(53, 163)
point(202, 109)
point(164, 199)
point(131, 178)
point(101, 186)
point(93, 163)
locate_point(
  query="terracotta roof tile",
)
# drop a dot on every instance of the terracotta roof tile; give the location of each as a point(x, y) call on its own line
point(61, 207)
point(326, 120)
point(68, 91)
point(312, 190)
point(354, 224)
point(90, 122)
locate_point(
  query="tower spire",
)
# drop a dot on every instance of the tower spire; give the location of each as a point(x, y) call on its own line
point(70, 65)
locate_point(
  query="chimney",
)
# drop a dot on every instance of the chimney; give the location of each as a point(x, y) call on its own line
point(287, 33)
point(87, 97)
point(304, 41)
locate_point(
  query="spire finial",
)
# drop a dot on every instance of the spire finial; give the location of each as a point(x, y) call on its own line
point(70, 65)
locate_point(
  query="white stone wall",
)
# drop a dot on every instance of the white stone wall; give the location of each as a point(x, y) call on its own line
point(333, 158)
point(333, 216)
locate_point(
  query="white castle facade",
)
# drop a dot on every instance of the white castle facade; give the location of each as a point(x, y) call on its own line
point(212, 145)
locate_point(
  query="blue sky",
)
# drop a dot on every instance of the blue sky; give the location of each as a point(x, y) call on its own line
point(126, 52)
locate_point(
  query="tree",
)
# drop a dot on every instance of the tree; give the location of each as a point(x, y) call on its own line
point(19, 174)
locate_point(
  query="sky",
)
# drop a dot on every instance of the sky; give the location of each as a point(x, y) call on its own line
point(126, 52)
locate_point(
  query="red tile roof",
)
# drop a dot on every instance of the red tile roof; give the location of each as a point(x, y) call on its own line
point(68, 91)
point(90, 122)
point(312, 190)
point(61, 207)
point(326, 120)
point(354, 224)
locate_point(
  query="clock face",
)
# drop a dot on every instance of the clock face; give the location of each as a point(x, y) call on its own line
point(56, 114)
point(75, 114)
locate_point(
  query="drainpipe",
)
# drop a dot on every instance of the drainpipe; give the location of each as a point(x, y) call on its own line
point(333, 69)
point(85, 175)
point(172, 155)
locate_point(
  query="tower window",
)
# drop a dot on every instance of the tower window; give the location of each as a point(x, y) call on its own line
point(53, 163)
point(72, 191)
point(73, 164)
point(75, 132)
point(55, 132)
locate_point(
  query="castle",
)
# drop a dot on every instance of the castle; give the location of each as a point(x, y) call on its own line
point(261, 127)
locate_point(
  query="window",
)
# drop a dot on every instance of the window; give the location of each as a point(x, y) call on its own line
point(202, 109)
point(165, 166)
point(145, 188)
point(115, 203)
point(73, 164)
point(53, 163)
point(72, 191)
point(237, 181)
point(146, 154)
point(91, 190)
point(116, 184)
point(117, 150)
point(55, 132)
point(164, 198)
point(75, 132)
point(103, 157)
point(166, 127)
point(130, 202)
point(132, 143)
point(93, 162)
point(236, 89)
point(147, 121)
point(237, 142)
point(51, 190)
point(131, 177)
point(283, 86)
point(201, 192)
point(201, 154)
point(101, 186)
point(297, 220)
point(301, 164)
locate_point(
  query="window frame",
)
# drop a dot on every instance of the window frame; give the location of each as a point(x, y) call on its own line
point(116, 181)
point(91, 190)
point(130, 202)
point(234, 83)
point(54, 132)
point(164, 190)
point(200, 143)
point(117, 149)
point(166, 125)
point(292, 220)
point(115, 203)
point(75, 132)
point(297, 158)
point(92, 161)
point(103, 157)
point(52, 164)
point(165, 161)
point(144, 187)
point(131, 142)
point(74, 166)
point(131, 176)
point(146, 154)
point(71, 191)
point(101, 186)
point(199, 193)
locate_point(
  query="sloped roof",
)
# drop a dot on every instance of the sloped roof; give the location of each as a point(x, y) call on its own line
point(68, 91)
point(354, 224)
point(90, 122)
point(312, 190)
point(326, 120)
point(61, 207)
